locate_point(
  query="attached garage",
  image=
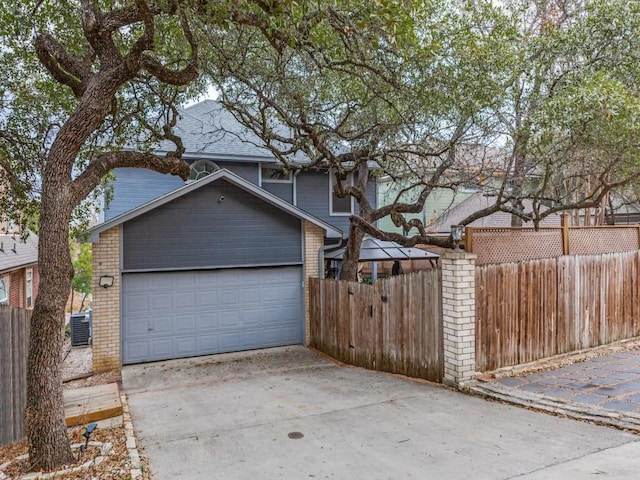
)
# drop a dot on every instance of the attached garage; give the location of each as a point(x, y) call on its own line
point(180, 314)
point(216, 266)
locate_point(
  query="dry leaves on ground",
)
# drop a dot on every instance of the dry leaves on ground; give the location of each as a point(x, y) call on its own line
point(116, 465)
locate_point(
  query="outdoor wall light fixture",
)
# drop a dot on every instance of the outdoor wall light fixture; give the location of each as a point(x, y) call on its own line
point(106, 281)
point(456, 236)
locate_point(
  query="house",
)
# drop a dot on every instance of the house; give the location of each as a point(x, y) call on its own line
point(479, 201)
point(476, 168)
point(215, 264)
point(18, 269)
point(214, 139)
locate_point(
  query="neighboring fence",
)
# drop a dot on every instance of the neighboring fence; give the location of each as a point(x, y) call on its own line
point(501, 244)
point(394, 325)
point(531, 310)
point(14, 342)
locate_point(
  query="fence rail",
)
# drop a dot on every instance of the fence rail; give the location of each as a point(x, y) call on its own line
point(394, 325)
point(14, 343)
point(531, 310)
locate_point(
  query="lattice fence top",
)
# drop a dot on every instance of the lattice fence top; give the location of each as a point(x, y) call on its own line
point(589, 241)
point(502, 245)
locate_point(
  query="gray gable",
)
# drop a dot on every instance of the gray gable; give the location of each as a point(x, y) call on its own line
point(232, 178)
point(15, 253)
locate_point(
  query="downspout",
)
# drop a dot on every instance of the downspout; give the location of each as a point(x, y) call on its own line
point(295, 189)
point(321, 255)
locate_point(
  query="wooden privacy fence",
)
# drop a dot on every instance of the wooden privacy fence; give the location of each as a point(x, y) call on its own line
point(531, 310)
point(394, 325)
point(14, 344)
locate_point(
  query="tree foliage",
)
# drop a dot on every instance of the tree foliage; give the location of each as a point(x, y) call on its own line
point(356, 89)
point(83, 80)
point(82, 273)
point(571, 106)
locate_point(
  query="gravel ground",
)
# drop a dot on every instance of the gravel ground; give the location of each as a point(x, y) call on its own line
point(77, 361)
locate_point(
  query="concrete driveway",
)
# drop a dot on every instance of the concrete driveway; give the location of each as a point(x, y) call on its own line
point(288, 413)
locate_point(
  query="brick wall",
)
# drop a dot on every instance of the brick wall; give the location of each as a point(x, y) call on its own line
point(459, 317)
point(313, 242)
point(106, 302)
point(16, 288)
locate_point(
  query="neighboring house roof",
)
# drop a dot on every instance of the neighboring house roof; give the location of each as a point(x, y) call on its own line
point(15, 253)
point(331, 232)
point(478, 202)
point(209, 131)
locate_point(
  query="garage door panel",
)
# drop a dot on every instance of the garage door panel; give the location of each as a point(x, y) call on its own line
point(160, 325)
point(185, 323)
point(138, 326)
point(208, 343)
point(179, 314)
point(207, 320)
point(136, 351)
point(137, 304)
point(185, 346)
point(160, 347)
point(185, 300)
point(159, 302)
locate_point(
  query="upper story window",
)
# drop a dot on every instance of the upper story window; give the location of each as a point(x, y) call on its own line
point(29, 289)
point(4, 291)
point(202, 168)
point(275, 175)
point(340, 206)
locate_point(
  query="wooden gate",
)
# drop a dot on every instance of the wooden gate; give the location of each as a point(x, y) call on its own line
point(394, 325)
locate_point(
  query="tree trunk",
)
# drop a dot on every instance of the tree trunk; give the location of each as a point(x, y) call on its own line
point(72, 299)
point(44, 416)
point(84, 297)
point(349, 269)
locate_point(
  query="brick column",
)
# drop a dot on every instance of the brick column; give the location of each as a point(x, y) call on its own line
point(106, 302)
point(459, 317)
point(313, 242)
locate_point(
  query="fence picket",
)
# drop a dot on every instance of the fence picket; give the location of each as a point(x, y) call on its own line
point(394, 325)
point(553, 306)
point(14, 344)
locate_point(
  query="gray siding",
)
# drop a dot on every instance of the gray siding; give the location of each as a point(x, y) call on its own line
point(312, 191)
point(282, 190)
point(133, 187)
point(199, 231)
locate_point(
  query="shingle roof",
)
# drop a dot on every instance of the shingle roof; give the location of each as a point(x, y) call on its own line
point(210, 131)
point(14, 253)
point(477, 202)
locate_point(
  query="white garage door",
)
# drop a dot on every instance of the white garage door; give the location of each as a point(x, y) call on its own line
point(183, 314)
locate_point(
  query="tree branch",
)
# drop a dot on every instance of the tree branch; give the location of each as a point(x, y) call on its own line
point(105, 162)
point(64, 67)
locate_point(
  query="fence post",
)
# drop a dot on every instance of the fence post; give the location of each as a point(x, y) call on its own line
point(459, 317)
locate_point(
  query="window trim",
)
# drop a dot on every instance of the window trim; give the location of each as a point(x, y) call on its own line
point(268, 178)
point(332, 181)
point(199, 176)
point(28, 291)
point(4, 280)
